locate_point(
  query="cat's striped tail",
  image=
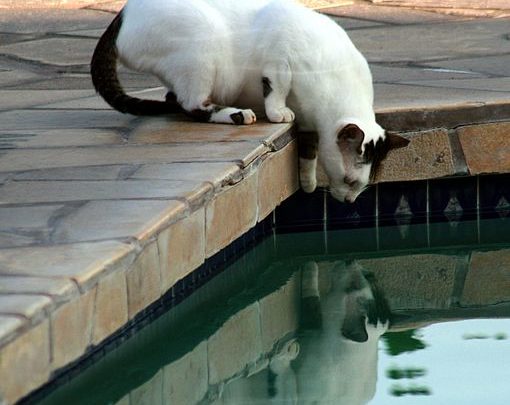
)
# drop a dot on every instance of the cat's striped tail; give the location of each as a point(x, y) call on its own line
point(103, 69)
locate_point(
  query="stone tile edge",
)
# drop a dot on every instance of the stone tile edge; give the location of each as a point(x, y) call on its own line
point(460, 166)
point(442, 116)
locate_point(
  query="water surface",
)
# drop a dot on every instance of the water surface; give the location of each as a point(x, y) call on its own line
point(327, 318)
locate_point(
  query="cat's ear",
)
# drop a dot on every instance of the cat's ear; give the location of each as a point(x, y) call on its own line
point(354, 327)
point(351, 136)
point(395, 141)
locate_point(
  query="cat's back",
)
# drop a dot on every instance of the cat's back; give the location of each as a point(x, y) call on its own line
point(153, 31)
point(197, 15)
point(164, 26)
point(167, 16)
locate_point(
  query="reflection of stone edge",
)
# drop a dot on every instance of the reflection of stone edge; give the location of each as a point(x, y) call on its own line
point(262, 362)
point(404, 320)
point(202, 327)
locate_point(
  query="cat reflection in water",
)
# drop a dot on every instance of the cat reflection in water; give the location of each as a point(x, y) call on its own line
point(333, 360)
point(336, 362)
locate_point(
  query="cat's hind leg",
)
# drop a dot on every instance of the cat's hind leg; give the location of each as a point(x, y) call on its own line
point(194, 97)
point(209, 112)
point(276, 83)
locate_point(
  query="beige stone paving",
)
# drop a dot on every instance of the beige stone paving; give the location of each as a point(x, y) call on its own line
point(486, 147)
point(429, 153)
point(30, 352)
point(182, 248)
point(242, 153)
point(233, 211)
point(488, 281)
point(409, 279)
point(8, 325)
point(116, 5)
point(116, 219)
point(11, 99)
point(101, 213)
point(81, 263)
point(59, 289)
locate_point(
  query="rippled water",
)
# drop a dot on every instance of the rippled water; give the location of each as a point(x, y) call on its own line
point(302, 319)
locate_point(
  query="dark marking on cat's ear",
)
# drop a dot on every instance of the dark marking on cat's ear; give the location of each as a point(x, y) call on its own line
point(237, 118)
point(353, 136)
point(376, 152)
point(354, 328)
point(308, 143)
point(266, 86)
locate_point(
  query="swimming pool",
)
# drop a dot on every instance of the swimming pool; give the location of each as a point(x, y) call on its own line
point(318, 316)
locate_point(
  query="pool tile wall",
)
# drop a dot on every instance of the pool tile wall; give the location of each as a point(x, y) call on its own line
point(460, 201)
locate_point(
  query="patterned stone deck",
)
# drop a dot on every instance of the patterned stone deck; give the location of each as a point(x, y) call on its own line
point(101, 213)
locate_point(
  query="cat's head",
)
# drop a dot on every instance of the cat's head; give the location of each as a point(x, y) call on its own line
point(350, 156)
point(367, 313)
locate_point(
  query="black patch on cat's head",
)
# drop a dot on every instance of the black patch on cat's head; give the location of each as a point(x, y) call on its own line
point(372, 311)
point(375, 153)
point(354, 329)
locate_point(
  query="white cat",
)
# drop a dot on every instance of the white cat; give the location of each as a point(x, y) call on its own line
point(333, 359)
point(257, 55)
point(338, 360)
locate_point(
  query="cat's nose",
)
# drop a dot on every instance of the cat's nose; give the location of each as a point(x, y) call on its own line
point(350, 199)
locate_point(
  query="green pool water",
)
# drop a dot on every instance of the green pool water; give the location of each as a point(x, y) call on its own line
point(344, 317)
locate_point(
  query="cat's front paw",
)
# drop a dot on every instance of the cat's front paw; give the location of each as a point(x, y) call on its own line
point(283, 114)
point(307, 174)
point(308, 184)
point(243, 117)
